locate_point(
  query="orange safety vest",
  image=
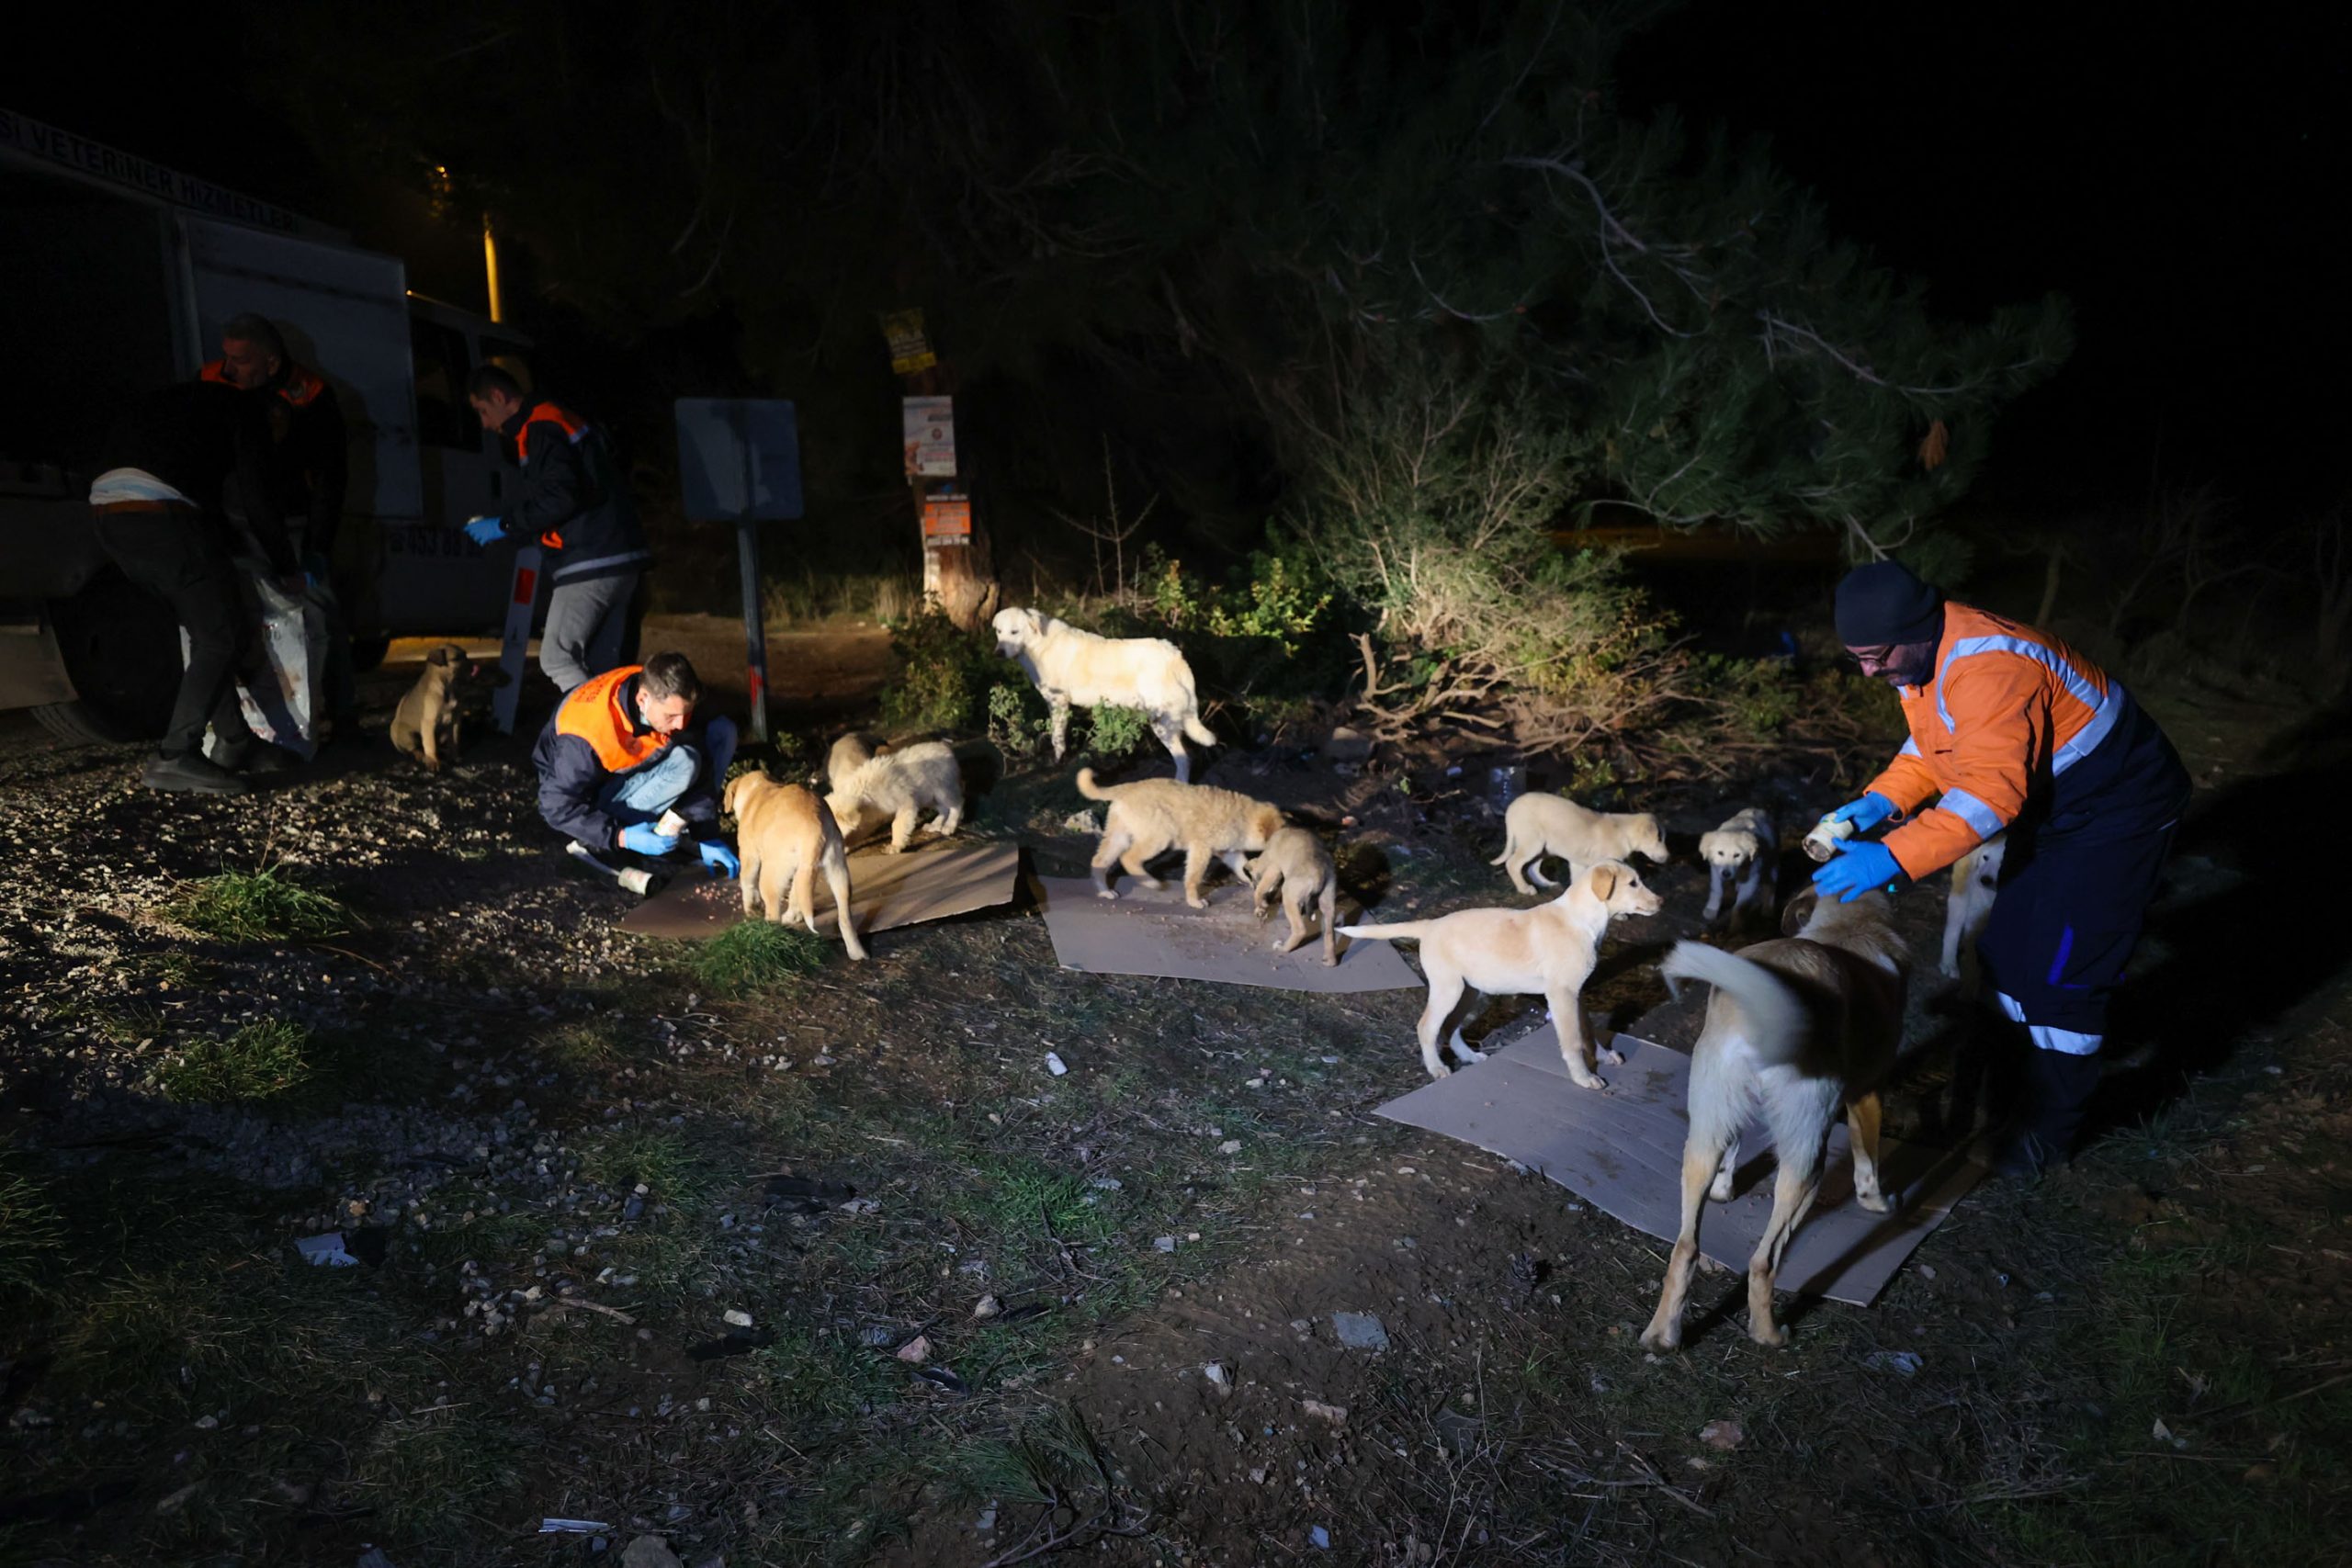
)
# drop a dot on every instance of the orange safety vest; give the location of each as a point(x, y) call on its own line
point(2006, 707)
point(575, 430)
point(299, 386)
point(594, 713)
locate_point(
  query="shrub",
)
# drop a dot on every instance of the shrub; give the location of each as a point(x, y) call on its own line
point(1018, 720)
point(940, 676)
point(1113, 732)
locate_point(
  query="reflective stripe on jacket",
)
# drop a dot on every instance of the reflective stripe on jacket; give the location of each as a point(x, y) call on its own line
point(2009, 709)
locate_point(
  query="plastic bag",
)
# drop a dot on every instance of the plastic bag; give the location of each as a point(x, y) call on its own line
point(284, 697)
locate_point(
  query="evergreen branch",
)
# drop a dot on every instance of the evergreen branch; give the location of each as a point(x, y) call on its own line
point(1608, 225)
point(1773, 323)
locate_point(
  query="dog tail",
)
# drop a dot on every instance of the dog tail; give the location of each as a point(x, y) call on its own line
point(1092, 791)
point(1402, 930)
point(1776, 1017)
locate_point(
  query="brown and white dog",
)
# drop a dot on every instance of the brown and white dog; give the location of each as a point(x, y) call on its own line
point(1547, 951)
point(429, 723)
point(785, 834)
point(1803, 1027)
point(1151, 817)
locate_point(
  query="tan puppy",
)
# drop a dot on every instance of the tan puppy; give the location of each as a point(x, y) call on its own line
point(1741, 851)
point(1540, 825)
point(1976, 882)
point(1296, 863)
point(851, 752)
point(1073, 668)
point(1549, 950)
point(1153, 815)
point(1802, 1026)
point(428, 721)
point(784, 833)
point(900, 785)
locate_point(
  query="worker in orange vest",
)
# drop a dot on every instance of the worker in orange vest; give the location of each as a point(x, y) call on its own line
point(619, 769)
point(2013, 732)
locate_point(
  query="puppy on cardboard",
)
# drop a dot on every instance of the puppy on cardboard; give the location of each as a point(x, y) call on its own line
point(1151, 817)
point(784, 834)
point(1549, 951)
point(1295, 863)
point(1798, 1028)
point(899, 786)
point(1540, 825)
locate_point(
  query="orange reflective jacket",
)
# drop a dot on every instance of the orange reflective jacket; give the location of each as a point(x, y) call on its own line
point(594, 711)
point(2009, 709)
point(296, 386)
point(572, 428)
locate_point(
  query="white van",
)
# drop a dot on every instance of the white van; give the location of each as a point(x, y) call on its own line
point(118, 274)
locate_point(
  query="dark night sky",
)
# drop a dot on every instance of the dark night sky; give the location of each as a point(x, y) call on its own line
point(2175, 184)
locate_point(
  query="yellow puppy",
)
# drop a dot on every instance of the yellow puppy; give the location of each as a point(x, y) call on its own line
point(784, 833)
point(1540, 825)
point(1295, 862)
point(1548, 949)
point(1151, 817)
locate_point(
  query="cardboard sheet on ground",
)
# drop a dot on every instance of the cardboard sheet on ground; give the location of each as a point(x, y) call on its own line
point(930, 882)
point(1143, 933)
point(1622, 1152)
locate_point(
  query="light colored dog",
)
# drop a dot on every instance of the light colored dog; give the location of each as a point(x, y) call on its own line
point(1740, 852)
point(851, 752)
point(1151, 817)
point(1548, 950)
point(900, 785)
point(1975, 881)
point(785, 834)
point(1077, 669)
point(1802, 1025)
point(430, 719)
point(1295, 862)
point(1540, 825)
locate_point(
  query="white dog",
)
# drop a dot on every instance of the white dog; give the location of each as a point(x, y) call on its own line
point(1077, 669)
point(1975, 879)
point(1741, 851)
point(1540, 825)
point(901, 784)
point(1549, 950)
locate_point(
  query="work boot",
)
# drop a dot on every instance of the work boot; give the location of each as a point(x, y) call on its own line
point(2057, 1096)
point(191, 773)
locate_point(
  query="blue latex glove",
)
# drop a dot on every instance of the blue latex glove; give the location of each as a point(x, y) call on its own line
point(1864, 814)
point(642, 838)
point(1857, 868)
point(486, 531)
point(719, 859)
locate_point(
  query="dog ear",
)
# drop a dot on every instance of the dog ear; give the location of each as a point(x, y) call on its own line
point(1604, 882)
point(1798, 910)
point(438, 656)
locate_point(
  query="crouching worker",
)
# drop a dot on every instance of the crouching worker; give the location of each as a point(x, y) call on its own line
point(616, 765)
point(2013, 730)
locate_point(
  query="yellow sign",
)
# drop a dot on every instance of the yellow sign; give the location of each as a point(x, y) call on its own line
point(909, 350)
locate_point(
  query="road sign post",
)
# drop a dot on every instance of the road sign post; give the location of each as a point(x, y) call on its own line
point(739, 462)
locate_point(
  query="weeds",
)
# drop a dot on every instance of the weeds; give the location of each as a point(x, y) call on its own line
point(250, 906)
point(31, 1233)
point(757, 955)
point(261, 1061)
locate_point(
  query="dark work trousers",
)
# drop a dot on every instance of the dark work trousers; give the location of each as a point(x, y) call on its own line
point(175, 555)
point(2076, 882)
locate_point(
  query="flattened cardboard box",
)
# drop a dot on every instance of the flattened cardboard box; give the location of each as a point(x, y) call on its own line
point(1157, 933)
point(1622, 1152)
point(886, 891)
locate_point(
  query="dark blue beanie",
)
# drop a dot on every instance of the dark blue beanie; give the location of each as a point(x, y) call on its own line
point(1884, 605)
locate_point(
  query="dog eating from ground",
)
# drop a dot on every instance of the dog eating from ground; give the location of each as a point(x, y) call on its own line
point(1547, 951)
point(427, 723)
point(1077, 669)
point(1976, 882)
point(851, 752)
point(784, 834)
point(1739, 853)
point(1540, 825)
point(1151, 817)
point(1295, 863)
point(898, 784)
point(1800, 1027)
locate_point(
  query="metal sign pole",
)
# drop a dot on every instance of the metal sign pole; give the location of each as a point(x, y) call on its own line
point(514, 648)
point(756, 634)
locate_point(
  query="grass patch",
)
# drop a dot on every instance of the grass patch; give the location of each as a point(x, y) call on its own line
point(823, 1380)
point(662, 1158)
point(261, 1061)
point(583, 1044)
point(757, 955)
point(246, 907)
point(437, 1476)
point(32, 1232)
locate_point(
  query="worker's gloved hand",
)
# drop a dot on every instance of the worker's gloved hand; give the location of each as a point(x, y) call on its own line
point(314, 572)
point(1857, 868)
point(486, 531)
point(643, 837)
point(719, 859)
point(1864, 814)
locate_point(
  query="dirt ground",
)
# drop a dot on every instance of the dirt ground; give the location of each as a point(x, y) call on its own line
point(975, 1306)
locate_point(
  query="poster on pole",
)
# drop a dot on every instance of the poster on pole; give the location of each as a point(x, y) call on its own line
point(929, 425)
point(947, 521)
point(910, 349)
